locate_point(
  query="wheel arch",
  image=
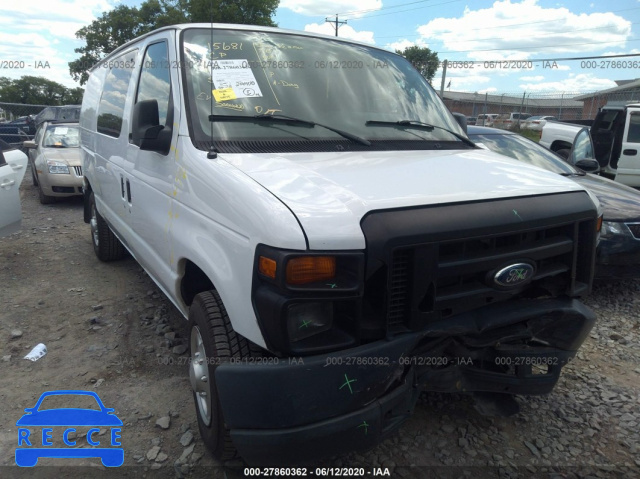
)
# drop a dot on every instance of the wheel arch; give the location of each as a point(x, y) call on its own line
point(193, 281)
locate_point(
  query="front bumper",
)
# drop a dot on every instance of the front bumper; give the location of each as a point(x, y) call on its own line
point(305, 409)
point(618, 258)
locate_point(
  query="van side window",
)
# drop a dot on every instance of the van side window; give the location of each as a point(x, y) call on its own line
point(155, 82)
point(114, 94)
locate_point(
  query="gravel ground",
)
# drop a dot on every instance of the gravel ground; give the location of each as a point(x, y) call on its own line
point(109, 328)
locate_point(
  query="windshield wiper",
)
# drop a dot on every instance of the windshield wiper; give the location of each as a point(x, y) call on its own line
point(420, 124)
point(575, 173)
point(290, 119)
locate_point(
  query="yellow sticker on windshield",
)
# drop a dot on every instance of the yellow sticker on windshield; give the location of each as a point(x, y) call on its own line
point(224, 94)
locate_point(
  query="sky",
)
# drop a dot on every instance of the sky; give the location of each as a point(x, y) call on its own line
point(508, 41)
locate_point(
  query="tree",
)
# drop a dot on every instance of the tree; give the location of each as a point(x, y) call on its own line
point(32, 90)
point(423, 59)
point(123, 23)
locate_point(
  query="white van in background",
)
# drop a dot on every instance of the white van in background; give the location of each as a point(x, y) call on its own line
point(336, 242)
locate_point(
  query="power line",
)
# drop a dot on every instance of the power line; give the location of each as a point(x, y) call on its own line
point(537, 46)
point(502, 38)
point(407, 10)
point(356, 12)
point(512, 25)
point(567, 59)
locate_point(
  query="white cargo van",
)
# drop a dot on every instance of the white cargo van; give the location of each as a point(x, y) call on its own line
point(334, 240)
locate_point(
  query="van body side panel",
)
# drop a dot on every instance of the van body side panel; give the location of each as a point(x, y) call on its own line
point(213, 227)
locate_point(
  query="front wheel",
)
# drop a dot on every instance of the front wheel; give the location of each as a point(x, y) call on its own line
point(212, 341)
point(105, 244)
point(564, 153)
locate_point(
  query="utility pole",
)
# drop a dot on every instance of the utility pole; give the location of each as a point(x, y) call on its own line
point(336, 22)
point(444, 75)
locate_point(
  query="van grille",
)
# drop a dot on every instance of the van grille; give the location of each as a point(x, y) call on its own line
point(431, 263)
point(465, 269)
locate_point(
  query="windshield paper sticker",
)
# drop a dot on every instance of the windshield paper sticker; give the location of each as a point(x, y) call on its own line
point(233, 79)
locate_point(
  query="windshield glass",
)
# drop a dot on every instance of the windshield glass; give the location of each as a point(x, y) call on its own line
point(330, 82)
point(527, 151)
point(58, 136)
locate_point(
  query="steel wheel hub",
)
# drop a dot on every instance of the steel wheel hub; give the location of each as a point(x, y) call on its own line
point(199, 375)
point(94, 225)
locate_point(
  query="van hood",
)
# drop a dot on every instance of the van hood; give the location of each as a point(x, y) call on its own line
point(330, 192)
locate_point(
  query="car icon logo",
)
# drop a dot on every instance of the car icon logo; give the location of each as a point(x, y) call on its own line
point(32, 446)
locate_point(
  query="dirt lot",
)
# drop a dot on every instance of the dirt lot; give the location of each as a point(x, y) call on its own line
point(108, 328)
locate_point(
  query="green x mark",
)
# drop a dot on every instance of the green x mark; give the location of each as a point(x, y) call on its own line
point(333, 285)
point(365, 426)
point(305, 324)
point(347, 382)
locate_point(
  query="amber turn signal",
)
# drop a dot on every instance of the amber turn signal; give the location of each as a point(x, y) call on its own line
point(267, 266)
point(599, 223)
point(310, 269)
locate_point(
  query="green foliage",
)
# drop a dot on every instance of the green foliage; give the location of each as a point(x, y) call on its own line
point(32, 90)
point(423, 59)
point(123, 23)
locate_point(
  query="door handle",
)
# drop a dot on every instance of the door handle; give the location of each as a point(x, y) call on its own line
point(16, 167)
point(8, 183)
point(630, 152)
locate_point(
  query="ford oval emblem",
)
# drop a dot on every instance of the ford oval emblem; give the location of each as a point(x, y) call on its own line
point(514, 275)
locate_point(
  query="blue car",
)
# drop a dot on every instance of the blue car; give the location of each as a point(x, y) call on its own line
point(69, 417)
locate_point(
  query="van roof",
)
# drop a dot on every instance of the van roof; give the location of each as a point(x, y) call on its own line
point(232, 26)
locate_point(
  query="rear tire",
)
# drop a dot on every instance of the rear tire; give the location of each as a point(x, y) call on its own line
point(105, 244)
point(564, 153)
point(213, 341)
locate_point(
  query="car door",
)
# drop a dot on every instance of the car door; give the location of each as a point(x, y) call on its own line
point(10, 209)
point(110, 143)
point(629, 163)
point(150, 175)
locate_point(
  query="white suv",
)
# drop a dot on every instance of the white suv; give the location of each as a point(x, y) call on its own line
point(335, 240)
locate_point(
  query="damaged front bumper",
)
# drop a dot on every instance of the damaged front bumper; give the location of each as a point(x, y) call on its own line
point(292, 410)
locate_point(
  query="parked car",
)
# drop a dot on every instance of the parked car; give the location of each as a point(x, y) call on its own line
point(616, 138)
point(68, 113)
point(536, 123)
point(290, 219)
point(618, 253)
point(54, 156)
point(471, 120)
point(13, 164)
point(486, 119)
point(510, 121)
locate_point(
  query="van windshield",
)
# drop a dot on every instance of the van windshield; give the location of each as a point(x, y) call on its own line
point(232, 76)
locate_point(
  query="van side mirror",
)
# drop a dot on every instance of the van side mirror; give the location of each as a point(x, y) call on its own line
point(588, 164)
point(146, 130)
point(461, 119)
point(28, 144)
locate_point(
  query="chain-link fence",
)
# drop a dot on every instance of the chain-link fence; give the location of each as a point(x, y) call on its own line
point(17, 122)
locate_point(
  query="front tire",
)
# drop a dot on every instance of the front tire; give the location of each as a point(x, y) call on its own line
point(212, 341)
point(105, 244)
point(564, 153)
point(44, 199)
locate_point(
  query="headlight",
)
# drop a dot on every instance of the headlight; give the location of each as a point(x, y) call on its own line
point(308, 302)
point(614, 228)
point(57, 167)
